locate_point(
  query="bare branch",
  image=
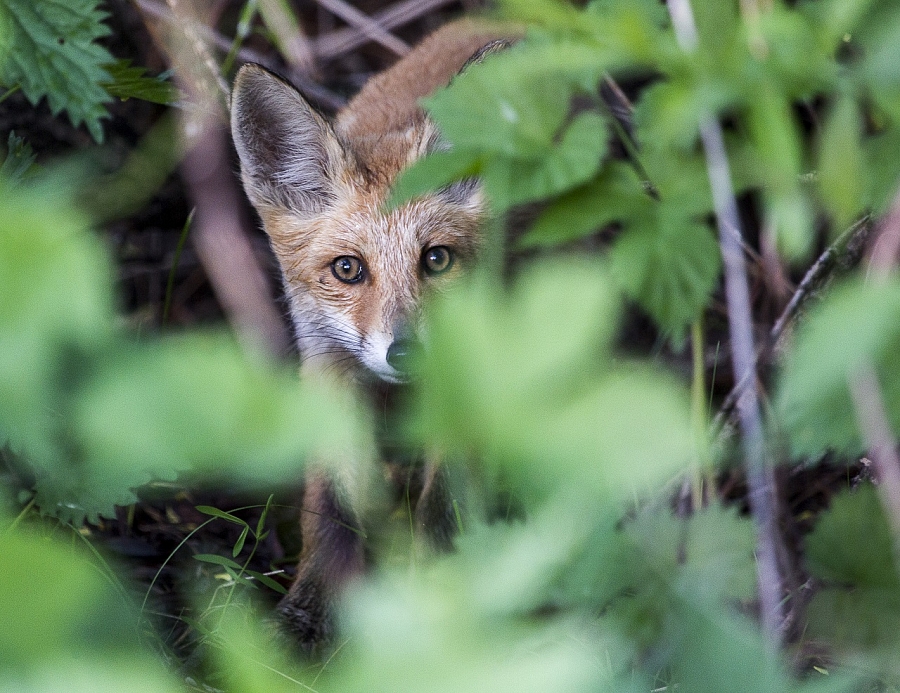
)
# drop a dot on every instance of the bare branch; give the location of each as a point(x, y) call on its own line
point(343, 41)
point(366, 24)
point(743, 351)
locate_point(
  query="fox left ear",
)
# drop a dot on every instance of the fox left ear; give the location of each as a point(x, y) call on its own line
point(290, 156)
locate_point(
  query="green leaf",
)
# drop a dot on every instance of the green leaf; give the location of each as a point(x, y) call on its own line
point(842, 171)
point(53, 53)
point(669, 265)
point(267, 581)
point(612, 196)
point(217, 560)
point(130, 82)
point(852, 551)
point(196, 402)
point(239, 544)
point(509, 181)
point(19, 159)
point(215, 512)
point(432, 172)
point(858, 323)
point(55, 309)
point(525, 379)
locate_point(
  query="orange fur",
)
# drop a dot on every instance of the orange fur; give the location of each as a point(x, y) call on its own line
point(320, 189)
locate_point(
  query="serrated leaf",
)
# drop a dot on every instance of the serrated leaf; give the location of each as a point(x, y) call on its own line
point(858, 323)
point(612, 196)
point(196, 402)
point(510, 181)
point(19, 159)
point(851, 550)
point(669, 265)
point(131, 82)
point(431, 173)
point(53, 53)
point(524, 379)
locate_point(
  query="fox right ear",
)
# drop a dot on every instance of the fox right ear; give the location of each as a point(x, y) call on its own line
point(290, 156)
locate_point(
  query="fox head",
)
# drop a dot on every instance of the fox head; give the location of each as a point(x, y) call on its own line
point(355, 272)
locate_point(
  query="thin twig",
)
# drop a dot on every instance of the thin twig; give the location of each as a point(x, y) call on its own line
point(366, 24)
point(816, 276)
point(309, 88)
point(740, 320)
point(341, 41)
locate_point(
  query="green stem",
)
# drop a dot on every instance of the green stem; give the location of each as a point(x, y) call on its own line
point(170, 284)
point(9, 92)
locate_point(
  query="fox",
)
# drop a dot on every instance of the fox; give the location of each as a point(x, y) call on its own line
point(355, 273)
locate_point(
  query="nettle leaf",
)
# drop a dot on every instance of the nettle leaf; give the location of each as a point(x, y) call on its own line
point(852, 551)
point(130, 81)
point(55, 308)
point(509, 181)
point(53, 53)
point(525, 379)
point(842, 169)
point(431, 173)
point(19, 159)
point(858, 323)
point(669, 265)
point(197, 403)
point(610, 197)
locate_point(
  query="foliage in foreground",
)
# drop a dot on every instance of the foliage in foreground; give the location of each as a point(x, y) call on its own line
point(601, 587)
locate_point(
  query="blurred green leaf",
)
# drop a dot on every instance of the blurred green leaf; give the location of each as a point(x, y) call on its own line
point(852, 551)
point(55, 309)
point(857, 323)
point(195, 402)
point(52, 52)
point(526, 380)
point(431, 173)
point(842, 171)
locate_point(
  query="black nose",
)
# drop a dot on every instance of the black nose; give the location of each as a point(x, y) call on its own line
point(400, 354)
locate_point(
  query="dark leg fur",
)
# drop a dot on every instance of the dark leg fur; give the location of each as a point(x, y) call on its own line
point(332, 555)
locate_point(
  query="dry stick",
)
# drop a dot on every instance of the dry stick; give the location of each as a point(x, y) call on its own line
point(366, 24)
point(868, 403)
point(342, 41)
point(740, 320)
point(311, 89)
point(219, 237)
point(811, 282)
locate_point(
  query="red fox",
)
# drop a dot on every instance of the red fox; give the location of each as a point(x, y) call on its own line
point(354, 273)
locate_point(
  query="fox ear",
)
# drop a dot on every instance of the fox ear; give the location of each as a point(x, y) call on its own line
point(290, 156)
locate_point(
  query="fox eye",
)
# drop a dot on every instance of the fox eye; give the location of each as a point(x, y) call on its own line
point(347, 269)
point(437, 260)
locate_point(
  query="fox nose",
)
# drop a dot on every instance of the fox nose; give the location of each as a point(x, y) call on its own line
point(401, 353)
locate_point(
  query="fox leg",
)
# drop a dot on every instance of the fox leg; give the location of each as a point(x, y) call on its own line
point(436, 513)
point(332, 555)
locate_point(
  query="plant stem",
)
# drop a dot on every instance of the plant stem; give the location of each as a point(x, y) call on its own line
point(9, 92)
point(170, 284)
point(698, 413)
point(760, 481)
